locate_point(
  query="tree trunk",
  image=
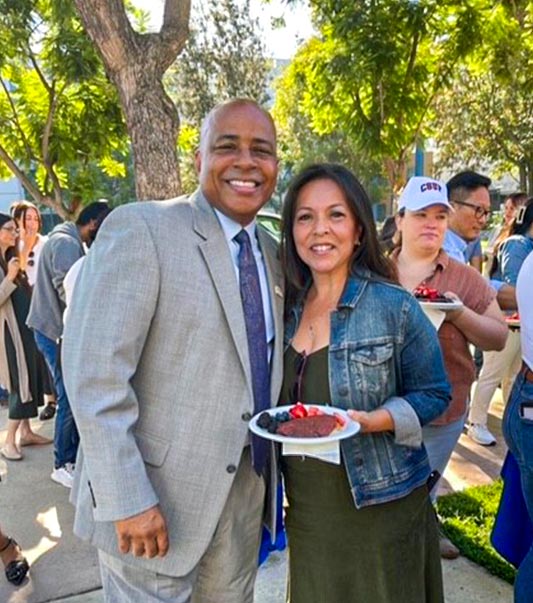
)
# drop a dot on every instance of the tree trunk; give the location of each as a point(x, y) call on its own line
point(153, 124)
point(523, 177)
point(396, 170)
point(136, 63)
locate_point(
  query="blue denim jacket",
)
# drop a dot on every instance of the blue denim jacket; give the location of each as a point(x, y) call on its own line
point(383, 353)
point(511, 256)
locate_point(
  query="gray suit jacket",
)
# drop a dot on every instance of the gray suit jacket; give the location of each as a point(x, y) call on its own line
point(156, 368)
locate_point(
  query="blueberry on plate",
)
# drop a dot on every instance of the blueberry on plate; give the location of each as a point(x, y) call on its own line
point(264, 420)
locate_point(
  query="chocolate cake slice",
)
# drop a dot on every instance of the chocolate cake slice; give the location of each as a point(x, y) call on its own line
point(308, 427)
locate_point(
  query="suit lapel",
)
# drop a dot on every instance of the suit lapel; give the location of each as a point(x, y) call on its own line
point(214, 249)
point(269, 250)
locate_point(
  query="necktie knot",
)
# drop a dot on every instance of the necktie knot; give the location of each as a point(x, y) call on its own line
point(242, 238)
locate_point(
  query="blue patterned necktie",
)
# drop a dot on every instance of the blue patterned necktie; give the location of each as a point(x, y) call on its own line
point(254, 318)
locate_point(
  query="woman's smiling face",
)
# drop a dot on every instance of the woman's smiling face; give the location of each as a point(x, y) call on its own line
point(325, 230)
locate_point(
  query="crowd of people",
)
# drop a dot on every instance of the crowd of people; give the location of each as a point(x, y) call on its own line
point(186, 319)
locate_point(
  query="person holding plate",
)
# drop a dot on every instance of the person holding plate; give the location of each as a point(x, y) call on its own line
point(363, 530)
point(422, 221)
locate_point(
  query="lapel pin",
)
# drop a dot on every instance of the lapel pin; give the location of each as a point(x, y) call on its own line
point(278, 291)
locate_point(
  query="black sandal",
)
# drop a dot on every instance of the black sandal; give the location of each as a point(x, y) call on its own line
point(17, 569)
point(48, 411)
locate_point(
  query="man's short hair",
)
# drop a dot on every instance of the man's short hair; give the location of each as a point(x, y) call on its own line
point(93, 211)
point(463, 183)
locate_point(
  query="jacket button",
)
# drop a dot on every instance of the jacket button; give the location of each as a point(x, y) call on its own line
point(358, 462)
point(343, 391)
point(231, 468)
point(246, 416)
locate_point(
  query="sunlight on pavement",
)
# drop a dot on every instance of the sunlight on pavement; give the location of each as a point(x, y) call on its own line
point(50, 522)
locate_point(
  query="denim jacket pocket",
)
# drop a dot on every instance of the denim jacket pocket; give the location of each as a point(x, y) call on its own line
point(371, 364)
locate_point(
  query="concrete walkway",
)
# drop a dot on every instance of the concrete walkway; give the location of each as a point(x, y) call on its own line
point(36, 512)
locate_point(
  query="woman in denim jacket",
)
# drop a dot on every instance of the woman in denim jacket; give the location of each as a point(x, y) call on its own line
point(363, 530)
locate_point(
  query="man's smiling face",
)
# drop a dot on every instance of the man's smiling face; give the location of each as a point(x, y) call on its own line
point(237, 160)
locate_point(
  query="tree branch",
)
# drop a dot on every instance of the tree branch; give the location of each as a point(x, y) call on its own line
point(16, 121)
point(18, 173)
point(38, 71)
point(107, 24)
point(47, 162)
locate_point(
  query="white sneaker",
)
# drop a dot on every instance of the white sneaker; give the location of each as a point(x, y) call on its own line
point(64, 475)
point(480, 434)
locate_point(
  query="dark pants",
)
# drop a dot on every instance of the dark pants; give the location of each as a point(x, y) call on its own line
point(66, 438)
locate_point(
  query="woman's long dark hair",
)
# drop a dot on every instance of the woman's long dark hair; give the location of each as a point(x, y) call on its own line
point(20, 209)
point(11, 252)
point(519, 226)
point(367, 257)
point(523, 219)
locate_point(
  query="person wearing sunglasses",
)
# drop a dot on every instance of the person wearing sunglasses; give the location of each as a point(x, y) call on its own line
point(31, 242)
point(364, 529)
point(19, 363)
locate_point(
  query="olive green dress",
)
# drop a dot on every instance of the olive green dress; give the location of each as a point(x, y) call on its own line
point(386, 553)
point(21, 298)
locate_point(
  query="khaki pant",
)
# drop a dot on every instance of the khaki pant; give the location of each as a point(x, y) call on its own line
point(226, 572)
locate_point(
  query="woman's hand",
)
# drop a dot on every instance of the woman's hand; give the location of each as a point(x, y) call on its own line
point(375, 420)
point(13, 267)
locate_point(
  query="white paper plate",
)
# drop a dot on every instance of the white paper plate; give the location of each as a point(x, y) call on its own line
point(351, 428)
point(454, 305)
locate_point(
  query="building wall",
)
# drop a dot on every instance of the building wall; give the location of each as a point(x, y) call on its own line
point(10, 190)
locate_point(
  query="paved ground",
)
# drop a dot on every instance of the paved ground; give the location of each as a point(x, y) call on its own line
point(36, 511)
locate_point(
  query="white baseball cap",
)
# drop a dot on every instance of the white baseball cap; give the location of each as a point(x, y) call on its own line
point(420, 192)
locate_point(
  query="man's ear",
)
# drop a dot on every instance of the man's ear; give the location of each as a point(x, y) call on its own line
point(197, 161)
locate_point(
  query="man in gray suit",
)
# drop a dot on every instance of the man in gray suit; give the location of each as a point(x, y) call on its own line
point(162, 379)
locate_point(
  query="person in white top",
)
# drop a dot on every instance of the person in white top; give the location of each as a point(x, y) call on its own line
point(31, 241)
point(518, 418)
point(69, 283)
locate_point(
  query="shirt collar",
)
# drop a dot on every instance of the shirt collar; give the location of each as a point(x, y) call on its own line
point(232, 228)
point(458, 241)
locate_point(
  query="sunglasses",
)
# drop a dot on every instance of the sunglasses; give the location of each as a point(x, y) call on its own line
point(11, 229)
point(31, 261)
point(300, 363)
point(479, 211)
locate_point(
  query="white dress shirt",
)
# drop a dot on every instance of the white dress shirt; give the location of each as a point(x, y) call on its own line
point(230, 229)
point(524, 296)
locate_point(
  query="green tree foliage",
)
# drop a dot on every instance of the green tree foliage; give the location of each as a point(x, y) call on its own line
point(224, 58)
point(299, 143)
point(487, 113)
point(374, 70)
point(61, 132)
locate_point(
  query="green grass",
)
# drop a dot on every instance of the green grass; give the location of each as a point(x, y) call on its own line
point(467, 518)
